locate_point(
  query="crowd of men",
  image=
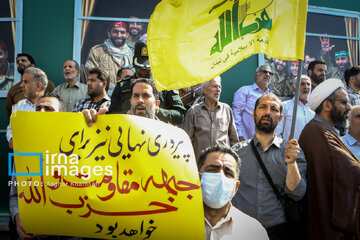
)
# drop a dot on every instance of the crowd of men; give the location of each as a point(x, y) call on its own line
point(241, 151)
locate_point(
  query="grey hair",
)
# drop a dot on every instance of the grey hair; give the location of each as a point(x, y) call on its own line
point(302, 77)
point(258, 68)
point(38, 76)
point(207, 83)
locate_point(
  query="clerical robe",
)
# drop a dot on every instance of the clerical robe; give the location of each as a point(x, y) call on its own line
point(333, 178)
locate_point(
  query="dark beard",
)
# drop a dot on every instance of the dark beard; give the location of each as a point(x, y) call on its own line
point(265, 128)
point(337, 117)
point(118, 44)
point(21, 71)
point(316, 79)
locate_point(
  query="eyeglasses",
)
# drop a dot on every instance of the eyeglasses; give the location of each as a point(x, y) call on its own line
point(344, 102)
point(266, 71)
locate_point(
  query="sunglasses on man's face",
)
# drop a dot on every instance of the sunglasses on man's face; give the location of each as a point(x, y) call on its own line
point(267, 72)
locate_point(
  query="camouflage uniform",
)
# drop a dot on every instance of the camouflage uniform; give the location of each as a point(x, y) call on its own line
point(7, 80)
point(100, 57)
point(332, 70)
point(280, 83)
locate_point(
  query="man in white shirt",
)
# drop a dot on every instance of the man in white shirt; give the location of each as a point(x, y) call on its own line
point(304, 113)
point(352, 138)
point(33, 83)
point(219, 170)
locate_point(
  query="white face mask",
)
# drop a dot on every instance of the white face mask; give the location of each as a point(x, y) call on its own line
point(217, 189)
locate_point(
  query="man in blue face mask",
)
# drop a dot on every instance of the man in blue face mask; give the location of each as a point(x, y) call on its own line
point(219, 171)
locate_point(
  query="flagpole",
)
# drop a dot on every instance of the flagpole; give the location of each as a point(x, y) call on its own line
point(296, 100)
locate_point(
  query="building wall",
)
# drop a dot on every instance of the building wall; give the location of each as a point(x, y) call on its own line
point(48, 36)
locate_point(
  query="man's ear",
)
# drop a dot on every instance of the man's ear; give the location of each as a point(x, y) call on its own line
point(236, 188)
point(39, 86)
point(157, 106)
point(253, 114)
point(327, 106)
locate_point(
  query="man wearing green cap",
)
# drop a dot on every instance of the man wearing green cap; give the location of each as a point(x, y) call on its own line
point(171, 108)
point(342, 60)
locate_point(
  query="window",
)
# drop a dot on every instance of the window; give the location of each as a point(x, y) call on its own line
point(332, 36)
point(10, 42)
point(91, 25)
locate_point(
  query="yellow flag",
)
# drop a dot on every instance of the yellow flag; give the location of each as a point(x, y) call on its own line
point(126, 177)
point(193, 41)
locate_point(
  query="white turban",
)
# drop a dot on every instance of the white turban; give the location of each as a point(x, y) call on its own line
point(322, 91)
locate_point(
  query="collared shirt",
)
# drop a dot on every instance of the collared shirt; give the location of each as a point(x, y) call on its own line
point(255, 196)
point(352, 144)
point(88, 104)
point(71, 94)
point(236, 225)
point(320, 119)
point(354, 97)
point(243, 106)
point(208, 127)
point(22, 105)
point(303, 116)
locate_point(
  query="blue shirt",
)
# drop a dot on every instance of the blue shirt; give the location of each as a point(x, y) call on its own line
point(352, 144)
point(303, 116)
point(243, 106)
point(255, 196)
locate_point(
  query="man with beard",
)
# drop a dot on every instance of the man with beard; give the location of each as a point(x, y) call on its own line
point(317, 72)
point(72, 91)
point(304, 113)
point(333, 170)
point(135, 32)
point(283, 160)
point(307, 60)
point(6, 69)
point(352, 79)
point(113, 54)
point(98, 84)
point(15, 93)
point(294, 68)
point(171, 108)
point(210, 122)
point(341, 58)
point(280, 82)
point(144, 101)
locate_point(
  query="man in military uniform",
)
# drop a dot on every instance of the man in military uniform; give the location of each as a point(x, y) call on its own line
point(280, 83)
point(171, 108)
point(6, 69)
point(341, 58)
point(113, 54)
point(135, 32)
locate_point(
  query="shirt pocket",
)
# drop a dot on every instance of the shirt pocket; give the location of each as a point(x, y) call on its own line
point(223, 125)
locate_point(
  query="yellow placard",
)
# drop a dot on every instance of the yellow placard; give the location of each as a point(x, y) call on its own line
point(126, 177)
point(192, 41)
